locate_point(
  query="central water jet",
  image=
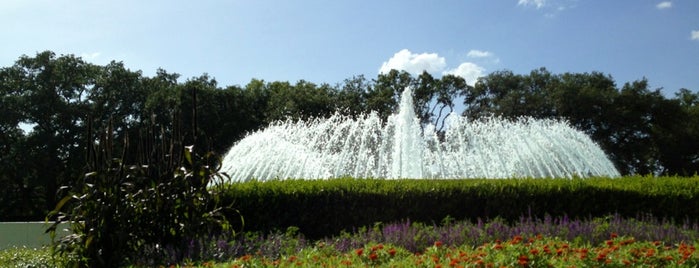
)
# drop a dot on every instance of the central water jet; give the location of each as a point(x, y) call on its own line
point(367, 147)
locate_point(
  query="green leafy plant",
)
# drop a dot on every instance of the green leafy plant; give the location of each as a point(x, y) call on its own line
point(163, 203)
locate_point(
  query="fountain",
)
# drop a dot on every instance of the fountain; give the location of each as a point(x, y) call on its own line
point(400, 148)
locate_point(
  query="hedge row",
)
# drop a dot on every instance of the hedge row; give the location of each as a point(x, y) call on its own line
point(325, 207)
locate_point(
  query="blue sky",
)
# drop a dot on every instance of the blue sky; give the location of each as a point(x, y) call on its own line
point(329, 41)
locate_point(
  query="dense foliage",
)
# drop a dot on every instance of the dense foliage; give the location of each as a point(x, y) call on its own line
point(163, 199)
point(324, 207)
point(47, 102)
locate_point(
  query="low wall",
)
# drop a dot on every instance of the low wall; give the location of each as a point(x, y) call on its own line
point(29, 234)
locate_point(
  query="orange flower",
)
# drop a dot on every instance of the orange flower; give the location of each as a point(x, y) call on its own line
point(582, 253)
point(373, 256)
point(601, 257)
point(516, 240)
point(534, 251)
point(547, 250)
point(614, 235)
point(627, 242)
point(392, 252)
point(359, 251)
point(650, 252)
point(438, 244)
point(523, 260)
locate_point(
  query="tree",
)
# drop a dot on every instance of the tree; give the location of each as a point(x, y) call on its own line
point(383, 97)
point(301, 101)
point(675, 131)
point(351, 97)
point(51, 93)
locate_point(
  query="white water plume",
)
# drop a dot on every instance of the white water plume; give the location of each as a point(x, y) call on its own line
point(399, 148)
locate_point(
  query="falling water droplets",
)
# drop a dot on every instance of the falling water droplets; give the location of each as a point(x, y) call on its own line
point(400, 148)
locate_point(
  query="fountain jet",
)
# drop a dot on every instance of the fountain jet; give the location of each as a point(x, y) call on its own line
point(367, 147)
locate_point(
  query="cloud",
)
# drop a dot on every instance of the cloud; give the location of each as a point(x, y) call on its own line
point(474, 53)
point(537, 3)
point(90, 56)
point(468, 70)
point(695, 35)
point(550, 8)
point(664, 5)
point(414, 63)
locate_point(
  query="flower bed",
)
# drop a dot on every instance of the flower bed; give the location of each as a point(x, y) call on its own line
point(518, 251)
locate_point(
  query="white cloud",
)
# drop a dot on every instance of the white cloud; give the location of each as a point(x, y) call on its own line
point(90, 56)
point(468, 70)
point(695, 35)
point(664, 5)
point(414, 63)
point(550, 8)
point(474, 53)
point(537, 3)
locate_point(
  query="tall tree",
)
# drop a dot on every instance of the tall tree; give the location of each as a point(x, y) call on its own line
point(53, 92)
point(383, 97)
point(351, 97)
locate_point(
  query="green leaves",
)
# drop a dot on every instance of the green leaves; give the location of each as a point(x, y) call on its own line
point(116, 209)
point(324, 207)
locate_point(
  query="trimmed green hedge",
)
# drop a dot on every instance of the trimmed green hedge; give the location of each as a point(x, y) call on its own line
point(325, 207)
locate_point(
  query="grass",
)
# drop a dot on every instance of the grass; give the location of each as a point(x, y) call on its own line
point(28, 257)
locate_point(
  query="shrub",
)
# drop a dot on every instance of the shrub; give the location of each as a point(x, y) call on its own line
point(118, 209)
point(325, 207)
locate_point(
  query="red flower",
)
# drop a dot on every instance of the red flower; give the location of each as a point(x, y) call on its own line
point(392, 252)
point(359, 251)
point(601, 257)
point(377, 247)
point(373, 256)
point(613, 235)
point(523, 260)
point(438, 244)
point(650, 252)
point(534, 251)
